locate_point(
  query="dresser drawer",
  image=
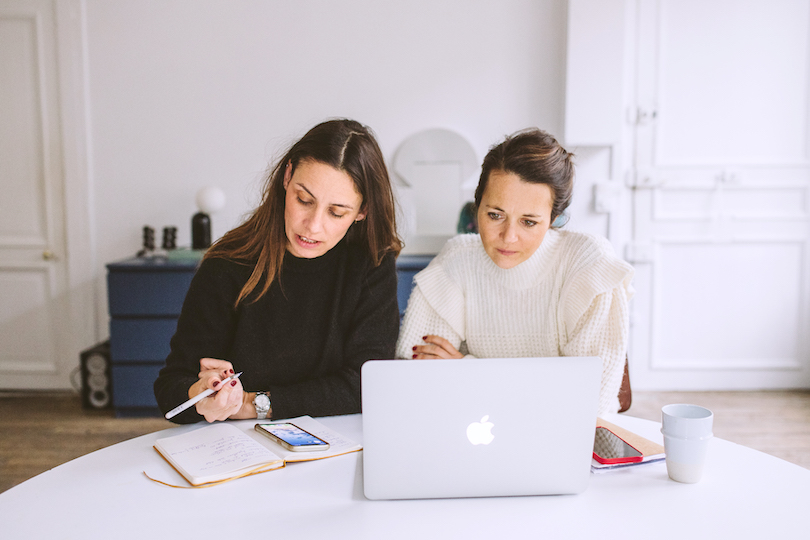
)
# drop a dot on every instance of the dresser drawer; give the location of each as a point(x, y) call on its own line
point(141, 340)
point(147, 293)
point(132, 385)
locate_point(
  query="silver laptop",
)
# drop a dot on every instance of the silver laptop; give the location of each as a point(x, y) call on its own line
point(478, 427)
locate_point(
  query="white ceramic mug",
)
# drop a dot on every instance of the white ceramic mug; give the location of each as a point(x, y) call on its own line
point(687, 430)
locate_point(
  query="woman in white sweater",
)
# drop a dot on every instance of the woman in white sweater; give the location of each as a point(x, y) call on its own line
point(522, 287)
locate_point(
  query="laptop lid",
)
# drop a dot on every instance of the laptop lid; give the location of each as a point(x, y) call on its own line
point(478, 427)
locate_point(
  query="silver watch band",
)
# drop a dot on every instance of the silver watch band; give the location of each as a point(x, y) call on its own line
point(262, 404)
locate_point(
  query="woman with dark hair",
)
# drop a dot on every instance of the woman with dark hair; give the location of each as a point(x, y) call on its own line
point(299, 296)
point(522, 287)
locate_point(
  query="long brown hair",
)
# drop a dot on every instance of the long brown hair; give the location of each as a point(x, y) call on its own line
point(346, 145)
point(536, 157)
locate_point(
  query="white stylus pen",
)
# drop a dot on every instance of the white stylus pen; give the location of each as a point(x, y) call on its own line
point(202, 395)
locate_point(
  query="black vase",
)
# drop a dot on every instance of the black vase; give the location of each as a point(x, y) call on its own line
point(200, 231)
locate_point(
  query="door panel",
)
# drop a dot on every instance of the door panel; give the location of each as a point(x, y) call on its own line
point(732, 80)
point(26, 293)
point(22, 220)
point(727, 305)
point(33, 313)
point(721, 192)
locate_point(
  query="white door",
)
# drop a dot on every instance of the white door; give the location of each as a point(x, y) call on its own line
point(721, 193)
point(33, 295)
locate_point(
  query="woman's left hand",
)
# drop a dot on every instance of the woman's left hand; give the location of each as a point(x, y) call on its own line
point(229, 397)
point(225, 403)
point(435, 347)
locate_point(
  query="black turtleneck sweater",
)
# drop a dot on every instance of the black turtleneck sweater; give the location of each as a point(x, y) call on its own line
point(304, 341)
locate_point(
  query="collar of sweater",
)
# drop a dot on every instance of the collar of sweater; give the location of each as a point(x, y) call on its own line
point(316, 264)
point(529, 272)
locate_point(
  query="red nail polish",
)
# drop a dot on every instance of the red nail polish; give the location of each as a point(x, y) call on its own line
point(424, 338)
point(216, 383)
point(414, 356)
point(233, 383)
point(231, 370)
point(414, 347)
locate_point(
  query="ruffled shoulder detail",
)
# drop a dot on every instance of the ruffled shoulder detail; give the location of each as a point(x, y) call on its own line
point(592, 269)
point(438, 282)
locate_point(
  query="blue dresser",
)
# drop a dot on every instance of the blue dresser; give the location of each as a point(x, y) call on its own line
point(145, 298)
point(407, 267)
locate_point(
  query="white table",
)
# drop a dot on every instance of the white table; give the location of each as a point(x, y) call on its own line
point(743, 494)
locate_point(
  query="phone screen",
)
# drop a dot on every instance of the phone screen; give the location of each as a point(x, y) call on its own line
point(293, 435)
point(612, 449)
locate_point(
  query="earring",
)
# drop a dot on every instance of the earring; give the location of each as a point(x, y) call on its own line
point(287, 174)
point(560, 221)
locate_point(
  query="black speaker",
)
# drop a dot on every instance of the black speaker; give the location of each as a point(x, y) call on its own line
point(96, 377)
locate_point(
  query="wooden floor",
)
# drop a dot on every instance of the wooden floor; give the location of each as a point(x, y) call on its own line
point(34, 438)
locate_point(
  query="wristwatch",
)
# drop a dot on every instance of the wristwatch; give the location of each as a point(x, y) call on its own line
point(262, 404)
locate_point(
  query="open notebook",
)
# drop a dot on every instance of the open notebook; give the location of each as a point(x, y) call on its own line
point(225, 451)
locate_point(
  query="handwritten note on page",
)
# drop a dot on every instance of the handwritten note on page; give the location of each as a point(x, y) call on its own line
point(214, 453)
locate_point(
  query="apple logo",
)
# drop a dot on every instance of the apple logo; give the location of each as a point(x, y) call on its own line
point(480, 432)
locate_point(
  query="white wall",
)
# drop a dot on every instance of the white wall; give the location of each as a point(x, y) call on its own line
point(189, 93)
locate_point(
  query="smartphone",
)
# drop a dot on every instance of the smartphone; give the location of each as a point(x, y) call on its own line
point(292, 437)
point(609, 448)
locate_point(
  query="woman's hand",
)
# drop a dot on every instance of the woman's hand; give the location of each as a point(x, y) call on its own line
point(212, 373)
point(230, 396)
point(435, 347)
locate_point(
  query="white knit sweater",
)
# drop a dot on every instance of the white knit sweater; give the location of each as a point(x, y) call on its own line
point(570, 298)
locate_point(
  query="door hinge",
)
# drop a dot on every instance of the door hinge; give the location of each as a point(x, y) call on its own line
point(640, 116)
point(641, 179)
